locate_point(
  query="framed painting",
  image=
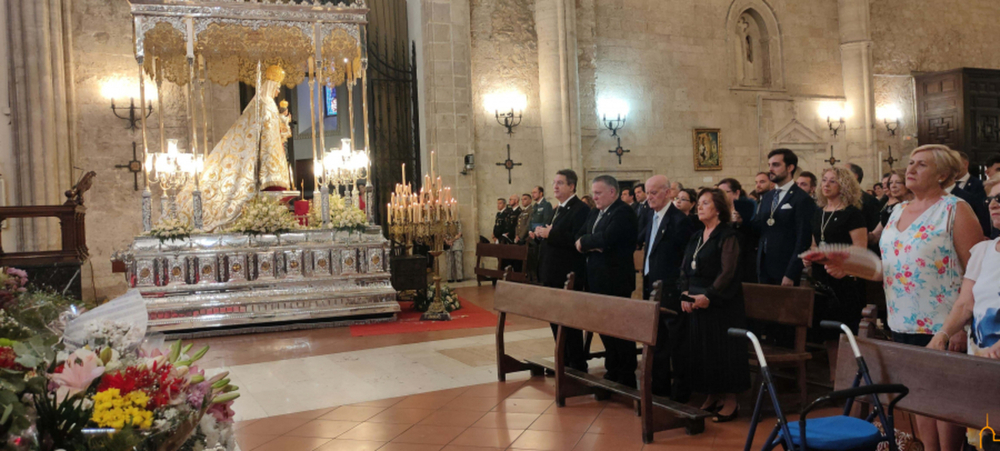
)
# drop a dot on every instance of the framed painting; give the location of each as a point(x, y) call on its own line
point(707, 149)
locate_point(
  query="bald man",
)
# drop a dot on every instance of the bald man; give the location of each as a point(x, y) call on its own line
point(666, 233)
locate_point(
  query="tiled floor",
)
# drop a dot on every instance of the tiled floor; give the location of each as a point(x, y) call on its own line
point(495, 416)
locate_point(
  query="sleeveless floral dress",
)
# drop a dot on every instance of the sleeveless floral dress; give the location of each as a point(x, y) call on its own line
point(920, 268)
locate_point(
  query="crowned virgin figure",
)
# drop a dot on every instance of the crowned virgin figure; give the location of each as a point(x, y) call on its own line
point(229, 179)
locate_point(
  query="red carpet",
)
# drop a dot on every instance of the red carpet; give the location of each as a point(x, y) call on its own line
point(470, 316)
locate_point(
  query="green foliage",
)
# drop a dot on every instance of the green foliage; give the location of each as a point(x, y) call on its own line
point(60, 424)
point(126, 439)
point(36, 351)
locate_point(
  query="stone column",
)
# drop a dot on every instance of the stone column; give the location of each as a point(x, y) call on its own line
point(859, 86)
point(559, 84)
point(42, 104)
point(447, 94)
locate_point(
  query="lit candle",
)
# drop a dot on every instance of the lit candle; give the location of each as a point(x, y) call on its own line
point(404, 174)
point(388, 211)
point(439, 183)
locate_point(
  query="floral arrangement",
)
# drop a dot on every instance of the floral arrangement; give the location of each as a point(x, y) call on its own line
point(264, 215)
point(342, 217)
point(117, 392)
point(451, 302)
point(169, 229)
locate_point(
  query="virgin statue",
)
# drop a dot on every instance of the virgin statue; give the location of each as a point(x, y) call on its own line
point(229, 179)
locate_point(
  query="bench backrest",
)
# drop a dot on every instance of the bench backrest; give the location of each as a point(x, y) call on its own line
point(791, 306)
point(952, 387)
point(628, 319)
point(501, 252)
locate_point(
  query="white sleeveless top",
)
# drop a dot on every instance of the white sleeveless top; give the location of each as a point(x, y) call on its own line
point(920, 268)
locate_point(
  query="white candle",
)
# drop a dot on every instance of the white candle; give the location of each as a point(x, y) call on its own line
point(388, 212)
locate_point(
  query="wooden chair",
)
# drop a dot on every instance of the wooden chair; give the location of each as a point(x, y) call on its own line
point(627, 319)
point(501, 252)
point(787, 306)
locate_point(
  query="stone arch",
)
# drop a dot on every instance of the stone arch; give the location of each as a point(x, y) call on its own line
point(753, 39)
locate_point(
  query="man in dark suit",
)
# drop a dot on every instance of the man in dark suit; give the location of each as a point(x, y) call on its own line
point(978, 205)
point(784, 222)
point(500, 223)
point(608, 240)
point(967, 182)
point(558, 255)
point(666, 235)
point(870, 206)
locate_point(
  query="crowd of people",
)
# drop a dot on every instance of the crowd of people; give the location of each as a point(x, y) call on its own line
point(927, 224)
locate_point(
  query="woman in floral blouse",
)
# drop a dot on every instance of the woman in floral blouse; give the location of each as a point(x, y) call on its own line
point(925, 247)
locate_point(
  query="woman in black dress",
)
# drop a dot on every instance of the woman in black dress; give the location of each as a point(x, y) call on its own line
point(897, 194)
point(839, 220)
point(711, 362)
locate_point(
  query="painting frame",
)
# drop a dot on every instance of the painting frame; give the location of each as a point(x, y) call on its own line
point(712, 161)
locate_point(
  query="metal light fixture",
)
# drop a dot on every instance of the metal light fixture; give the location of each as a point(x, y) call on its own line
point(835, 114)
point(341, 167)
point(171, 170)
point(121, 88)
point(614, 113)
point(890, 115)
point(507, 108)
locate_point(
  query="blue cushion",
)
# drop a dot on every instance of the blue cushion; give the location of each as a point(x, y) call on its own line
point(836, 433)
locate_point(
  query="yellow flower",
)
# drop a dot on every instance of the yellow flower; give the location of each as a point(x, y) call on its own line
point(113, 410)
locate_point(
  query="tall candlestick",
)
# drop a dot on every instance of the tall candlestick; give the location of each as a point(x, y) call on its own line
point(404, 174)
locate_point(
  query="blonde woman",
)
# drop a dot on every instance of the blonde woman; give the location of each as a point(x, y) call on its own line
point(839, 220)
point(925, 248)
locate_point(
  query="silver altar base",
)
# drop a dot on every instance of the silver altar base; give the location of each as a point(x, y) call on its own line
point(211, 281)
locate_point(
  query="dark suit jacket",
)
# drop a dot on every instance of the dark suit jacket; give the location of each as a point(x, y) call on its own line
point(791, 234)
point(871, 209)
point(557, 253)
point(612, 270)
point(975, 187)
point(978, 205)
point(641, 211)
point(667, 250)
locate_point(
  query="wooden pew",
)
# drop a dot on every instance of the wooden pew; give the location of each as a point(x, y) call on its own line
point(501, 252)
point(788, 306)
point(627, 319)
point(948, 386)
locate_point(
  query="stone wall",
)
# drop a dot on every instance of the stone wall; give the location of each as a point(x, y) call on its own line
point(102, 54)
point(669, 61)
point(925, 36)
point(505, 58)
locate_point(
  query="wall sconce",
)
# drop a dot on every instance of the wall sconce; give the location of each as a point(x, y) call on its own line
point(890, 116)
point(507, 107)
point(120, 88)
point(614, 113)
point(835, 115)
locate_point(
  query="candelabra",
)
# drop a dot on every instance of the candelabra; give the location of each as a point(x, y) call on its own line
point(614, 113)
point(341, 167)
point(171, 170)
point(428, 217)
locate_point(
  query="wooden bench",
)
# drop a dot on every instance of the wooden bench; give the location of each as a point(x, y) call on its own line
point(501, 252)
point(627, 319)
point(948, 386)
point(788, 306)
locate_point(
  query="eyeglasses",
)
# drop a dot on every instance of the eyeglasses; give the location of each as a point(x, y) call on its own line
point(990, 199)
point(681, 199)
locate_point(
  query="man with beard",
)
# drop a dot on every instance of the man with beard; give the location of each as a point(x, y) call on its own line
point(784, 222)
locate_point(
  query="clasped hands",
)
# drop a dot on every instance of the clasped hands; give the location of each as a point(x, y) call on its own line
point(579, 247)
point(958, 343)
point(700, 301)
